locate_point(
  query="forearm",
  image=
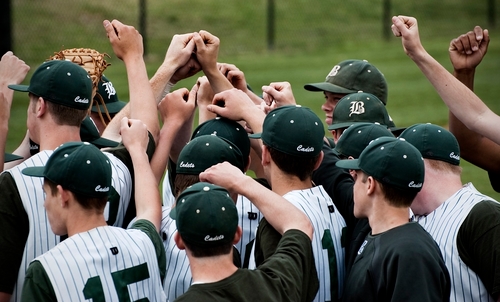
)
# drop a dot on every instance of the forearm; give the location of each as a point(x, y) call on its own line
point(217, 80)
point(160, 82)
point(147, 195)
point(461, 101)
point(182, 137)
point(142, 103)
point(162, 153)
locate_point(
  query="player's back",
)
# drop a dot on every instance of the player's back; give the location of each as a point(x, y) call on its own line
point(105, 263)
point(327, 247)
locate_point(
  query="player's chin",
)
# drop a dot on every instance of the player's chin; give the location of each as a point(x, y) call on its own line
point(328, 120)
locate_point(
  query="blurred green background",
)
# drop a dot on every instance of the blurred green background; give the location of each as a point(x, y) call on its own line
point(311, 36)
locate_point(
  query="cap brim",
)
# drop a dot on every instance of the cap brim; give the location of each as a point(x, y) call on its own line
point(114, 107)
point(352, 164)
point(341, 125)
point(23, 88)
point(11, 157)
point(396, 131)
point(255, 135)
point(102, 142)
point(325, 86)
point(34, 171)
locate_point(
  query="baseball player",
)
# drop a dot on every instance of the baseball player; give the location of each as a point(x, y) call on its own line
point(101, 262)
point(60, 94)
point(463, 221)
point(292, 137)
point(399, 260)
point(189, 165)
point(207, 224)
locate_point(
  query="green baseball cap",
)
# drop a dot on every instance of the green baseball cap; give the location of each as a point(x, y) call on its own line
point(351, 76)
point(433, 142)
point(357, 136)
point(205, 215)
point(228, 129)
point(357, 108)
point(60, 82)
point(8, 157)
point(205, 151)
point(391, 161)
point(108, 93)
point(293, 130)
point(79, 167)
point(90, 133)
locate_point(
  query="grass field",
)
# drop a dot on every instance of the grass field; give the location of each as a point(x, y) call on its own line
point(311, 36)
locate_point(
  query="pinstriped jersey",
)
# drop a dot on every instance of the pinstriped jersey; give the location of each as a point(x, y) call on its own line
point(328, 225)
point(41, 238)
point(105, 262)
point(443, 224)
point(178, 275)
point(248, 216)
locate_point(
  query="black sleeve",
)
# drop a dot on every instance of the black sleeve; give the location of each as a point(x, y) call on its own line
point(494, 180)
point(338, 183)
point(266, 241)
point(478, 242)
point(14, 230)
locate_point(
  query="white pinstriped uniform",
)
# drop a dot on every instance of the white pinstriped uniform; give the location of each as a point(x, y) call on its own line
point(40, 237)
point(248, 216)
point(443, 224)
point(316, 204)
point(102, 253)
point(178, 276)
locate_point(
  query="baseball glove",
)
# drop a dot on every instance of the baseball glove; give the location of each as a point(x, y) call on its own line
point(90, 59)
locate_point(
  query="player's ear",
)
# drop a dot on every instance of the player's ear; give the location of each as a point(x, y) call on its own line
point(320, 159)
point(266, 156)
point(41, 107)
point(371, 185)
point(237, 235)
point(63, 195)
point(178, 241)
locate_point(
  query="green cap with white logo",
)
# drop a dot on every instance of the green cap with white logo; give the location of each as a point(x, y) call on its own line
point(434, 142)
point(61, 82)
point(360, 107)
point(293, 130)
point(352, 76)
point(357, 136)
point(204, 151)
point(79, 167)
point(205, 215)
point(391, 161)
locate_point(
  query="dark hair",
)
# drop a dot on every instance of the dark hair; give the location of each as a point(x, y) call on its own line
point(395, 196)
point(88, 203)
point(203, 251)
point(64, 115)
point(182, 181)
point(302, 167)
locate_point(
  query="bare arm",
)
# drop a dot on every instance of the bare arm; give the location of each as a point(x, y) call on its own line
point(466, 53)
point(147, 195)
point(280, 213)
point(175, 112)
point(127, 45)
point(207, 49)
point(12, 71)
point(461, 101)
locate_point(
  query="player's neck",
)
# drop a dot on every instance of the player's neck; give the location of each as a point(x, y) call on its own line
point(282, 183)
point(384, 218)
point(83, 221)
point(52, 137)
point(211, 269)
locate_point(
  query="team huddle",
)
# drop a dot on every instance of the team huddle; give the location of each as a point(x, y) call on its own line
point(375, 212)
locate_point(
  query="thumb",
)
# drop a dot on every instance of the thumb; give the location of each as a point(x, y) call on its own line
point(110, 30)
point(486, 40)
point(215, 109)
